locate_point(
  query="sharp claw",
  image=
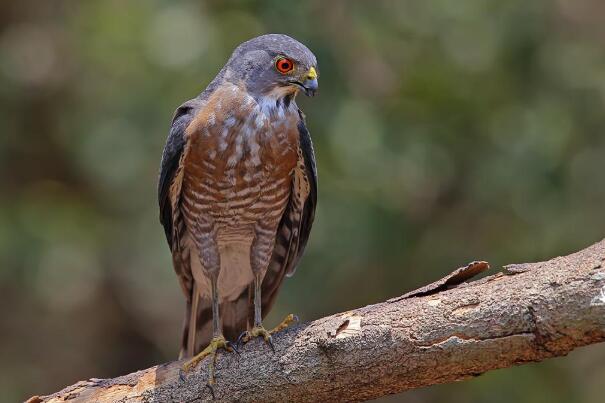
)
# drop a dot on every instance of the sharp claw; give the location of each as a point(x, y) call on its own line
point(259, 330)
point(232, 347)
point(240, 338)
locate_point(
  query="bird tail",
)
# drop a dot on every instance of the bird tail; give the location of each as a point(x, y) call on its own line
point(236, 317)
point(190, 324)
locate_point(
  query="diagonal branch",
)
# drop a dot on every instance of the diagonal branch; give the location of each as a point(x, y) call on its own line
point(444, 332)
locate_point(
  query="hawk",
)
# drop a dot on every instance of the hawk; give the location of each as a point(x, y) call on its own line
point(237, 192)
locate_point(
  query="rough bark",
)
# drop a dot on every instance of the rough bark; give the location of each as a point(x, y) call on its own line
point(444, 332)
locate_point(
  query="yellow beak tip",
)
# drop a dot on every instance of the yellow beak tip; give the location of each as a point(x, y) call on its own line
point(312, 74)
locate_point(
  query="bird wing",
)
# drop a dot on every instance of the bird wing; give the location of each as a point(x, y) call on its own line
point(295, 225)
point(169, 187)
point(308, 197)
point(173, 153)
point(169, 191)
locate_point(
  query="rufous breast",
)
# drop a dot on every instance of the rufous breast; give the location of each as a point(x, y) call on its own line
point(240, 157)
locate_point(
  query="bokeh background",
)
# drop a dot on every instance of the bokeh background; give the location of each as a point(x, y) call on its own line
point(445, 131)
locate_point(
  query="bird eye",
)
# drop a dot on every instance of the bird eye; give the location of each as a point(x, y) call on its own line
point(284, 65)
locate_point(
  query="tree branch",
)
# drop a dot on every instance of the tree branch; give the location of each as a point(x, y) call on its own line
point(444, 332)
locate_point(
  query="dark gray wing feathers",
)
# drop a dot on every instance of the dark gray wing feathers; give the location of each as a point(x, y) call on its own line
point(308, 214)
point(170, 162)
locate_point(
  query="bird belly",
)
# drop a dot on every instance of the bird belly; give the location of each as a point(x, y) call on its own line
point(234, 249)
point(237, 218)
point(238, 178)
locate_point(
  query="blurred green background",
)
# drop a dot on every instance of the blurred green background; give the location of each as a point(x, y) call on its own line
point(445, 131)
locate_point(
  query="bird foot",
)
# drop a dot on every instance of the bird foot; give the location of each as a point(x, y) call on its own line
point(212, 349)
point(256, 331)
point(288, 320)
point(260, 331)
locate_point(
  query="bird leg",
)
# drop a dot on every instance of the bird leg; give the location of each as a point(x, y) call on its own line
point(258, 330)
point(218, 341)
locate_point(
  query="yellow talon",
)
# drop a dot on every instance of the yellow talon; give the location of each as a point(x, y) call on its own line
point(212, 349)
point(260, 331)
point(257, 331)
point(288, 320)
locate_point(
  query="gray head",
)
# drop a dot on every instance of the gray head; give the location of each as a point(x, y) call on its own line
point(273, 65)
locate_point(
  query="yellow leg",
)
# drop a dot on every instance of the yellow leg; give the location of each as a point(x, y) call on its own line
point(258, 330)
point(212, 349)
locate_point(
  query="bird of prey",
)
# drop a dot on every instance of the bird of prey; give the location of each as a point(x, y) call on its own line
point(237, 192)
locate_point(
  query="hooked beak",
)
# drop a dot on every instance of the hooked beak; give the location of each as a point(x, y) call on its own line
point(310, 84)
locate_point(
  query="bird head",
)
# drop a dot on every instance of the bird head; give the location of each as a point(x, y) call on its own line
point(275, 66)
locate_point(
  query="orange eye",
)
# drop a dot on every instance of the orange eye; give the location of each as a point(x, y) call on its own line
point(284, 65)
